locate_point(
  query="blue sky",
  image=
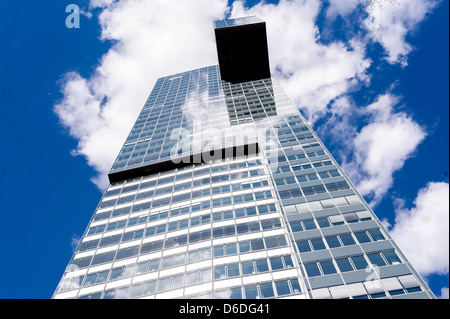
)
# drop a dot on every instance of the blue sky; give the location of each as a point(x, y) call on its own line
point(378, 99)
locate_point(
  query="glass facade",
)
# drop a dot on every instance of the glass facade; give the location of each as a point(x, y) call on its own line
point(276, 217)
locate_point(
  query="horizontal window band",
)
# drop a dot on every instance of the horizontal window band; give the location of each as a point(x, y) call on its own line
point(230, 152)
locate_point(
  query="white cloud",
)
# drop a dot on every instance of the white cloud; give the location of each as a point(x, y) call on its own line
point(422, 232)
point(390, 24)
point(381, 147)
point(342, 8)
point(444, 293)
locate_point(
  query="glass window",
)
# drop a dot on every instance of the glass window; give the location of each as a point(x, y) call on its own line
point(228, 214)
point(303, 246)
point(251, 292)
point(271, 223)
point(167, 262)
point(396, 292)
point(295, 286)
point(235, 293)
point(248, 268)
point(160, 228)
point(218, 232)
point(150, 231)
point(317, 244)
point(244, 247)
point(220, 294)
point(195, 221)
point(142, 267)
point(193, 256)
point(102, 276)
point(376, 234)
point(296, 226)
point(194, 237)
point(90, 279)
point(276, 263)
point(205, 219)
point(205, 253)
point(413, 289)
point(138, 234)
point(259, 195)
point(179, 259)
point(267, 290)
point(164, 284)
point(248, 197)
point(378, 295)
point(327, 267)
point(116, 273)
point(333, 241)
point(290, 180)
point(309, 224)
point(282, 288)
point(362, 237)
point(323, 222)
point(288, 261)
point(253, 226)
point(344, 264)
point(136, 290)
point(347, 239)
point(229, 230)
point(376, 259)
point(217, 216)
point(237, 199)
point(219, 272)
point(231, 249)
point(257, 244)
point(239, 212)
point(359, 262)
point(173, 226)
point(323, 175)
point(312, 270)
point(334, 173)
point(392, 257)
point(233, 270)
point(177, 281)
point(242, 228)
point(110, 294)
point(275, 241)
point(121, 293)
point(205, 275)
point(154, 264)
point(261, 265)
point(251, 211)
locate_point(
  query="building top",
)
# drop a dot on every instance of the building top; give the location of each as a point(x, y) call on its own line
point(237, 22)
point(242, 49)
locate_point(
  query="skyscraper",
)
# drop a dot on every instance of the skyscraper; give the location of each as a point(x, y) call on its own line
point(223, 190)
